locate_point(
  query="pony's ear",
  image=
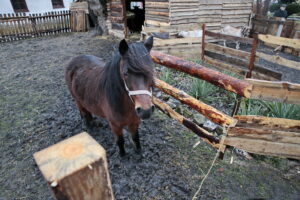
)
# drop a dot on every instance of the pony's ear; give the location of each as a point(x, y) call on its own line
point(149, 43)
point(123, 47)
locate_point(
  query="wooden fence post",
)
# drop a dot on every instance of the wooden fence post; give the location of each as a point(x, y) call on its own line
point(203, 41)
point(76, 169)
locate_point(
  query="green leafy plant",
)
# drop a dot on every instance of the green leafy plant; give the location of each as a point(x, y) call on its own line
point(282, 110)
point(251, 107)
point(203, 90)
point(167, 76)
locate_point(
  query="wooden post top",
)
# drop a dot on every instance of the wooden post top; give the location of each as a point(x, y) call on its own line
point(68, 156)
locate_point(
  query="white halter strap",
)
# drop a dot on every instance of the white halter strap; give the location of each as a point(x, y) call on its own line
point(136, 92)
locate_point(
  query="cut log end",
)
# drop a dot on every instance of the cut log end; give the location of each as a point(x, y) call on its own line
point(76, 168)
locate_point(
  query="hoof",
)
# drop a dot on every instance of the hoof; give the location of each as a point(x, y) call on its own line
point(138, 150)
point(122, 153)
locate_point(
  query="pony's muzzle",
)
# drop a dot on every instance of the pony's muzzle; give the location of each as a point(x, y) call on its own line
point(145, 114)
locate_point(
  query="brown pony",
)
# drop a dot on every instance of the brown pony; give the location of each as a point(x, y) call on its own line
point(119, 91)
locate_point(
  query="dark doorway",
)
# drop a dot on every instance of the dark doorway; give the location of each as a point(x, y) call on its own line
point(135, 13)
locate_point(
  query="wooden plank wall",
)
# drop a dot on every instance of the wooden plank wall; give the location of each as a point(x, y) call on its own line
point(214, 13)
point(20, 26)
point(115, 18)
point(157, 12)
point(184, 11)
point(236, 12)
point(210, 13)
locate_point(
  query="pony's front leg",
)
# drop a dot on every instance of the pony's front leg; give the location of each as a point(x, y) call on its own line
point(134, 131)
point(118, 132)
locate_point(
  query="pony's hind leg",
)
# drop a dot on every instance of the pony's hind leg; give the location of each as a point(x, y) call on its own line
point(118, 132)
point(134, 131)
point(85, 114)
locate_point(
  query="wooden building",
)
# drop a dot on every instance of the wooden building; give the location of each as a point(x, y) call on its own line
point(176, 13)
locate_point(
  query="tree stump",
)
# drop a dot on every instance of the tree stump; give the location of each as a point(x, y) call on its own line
point(76, 169)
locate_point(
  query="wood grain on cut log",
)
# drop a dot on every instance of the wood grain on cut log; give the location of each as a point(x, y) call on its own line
point(294, 43)
point(214, 77)
point(205, 135)
point(208, 111)
point(275, 91)
point(76, 169)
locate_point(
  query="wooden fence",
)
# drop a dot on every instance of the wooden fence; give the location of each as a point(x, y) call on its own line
point(270, 25)
point(239, 62)
point(256, 134)
point(20, 26)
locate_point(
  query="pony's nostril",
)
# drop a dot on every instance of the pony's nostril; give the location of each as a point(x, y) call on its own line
point(152, 108)
point(138, 110)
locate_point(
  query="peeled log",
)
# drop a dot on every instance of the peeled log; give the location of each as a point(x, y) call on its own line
point(206, 110)
point(229, 83)
point(205, 135)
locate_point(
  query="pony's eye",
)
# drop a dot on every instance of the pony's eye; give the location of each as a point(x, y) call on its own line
point(126, 73)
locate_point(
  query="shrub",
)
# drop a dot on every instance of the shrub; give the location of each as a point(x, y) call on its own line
point(167, 75)
point(291, 8)
point(251, 107)
point(203, 90)
point(282, 110)
point(274, 7)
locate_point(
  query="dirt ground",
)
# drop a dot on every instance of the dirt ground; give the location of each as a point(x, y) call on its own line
point(36, 111)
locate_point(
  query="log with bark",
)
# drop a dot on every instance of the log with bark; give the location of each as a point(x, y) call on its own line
point(214, 77)
point(205, 135)
point(206, 110)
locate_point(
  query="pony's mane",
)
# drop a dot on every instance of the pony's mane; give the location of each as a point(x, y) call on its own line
point(111, 83)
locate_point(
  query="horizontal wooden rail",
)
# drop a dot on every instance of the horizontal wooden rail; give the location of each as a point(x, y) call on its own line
point(279, 60)
point(265, 147)
point(269, 21)
point(270, 122)
point(225, 66)
point(226, 50)
point(229, 37)
point(266, 135)
point(206, 110)
point(275, 91)
point(205, 135)
point(219, 79)
point(294, 43)
point(176, 41)
point(259, 71)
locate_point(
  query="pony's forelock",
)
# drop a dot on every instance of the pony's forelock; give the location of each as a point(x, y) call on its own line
point(111, 83)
